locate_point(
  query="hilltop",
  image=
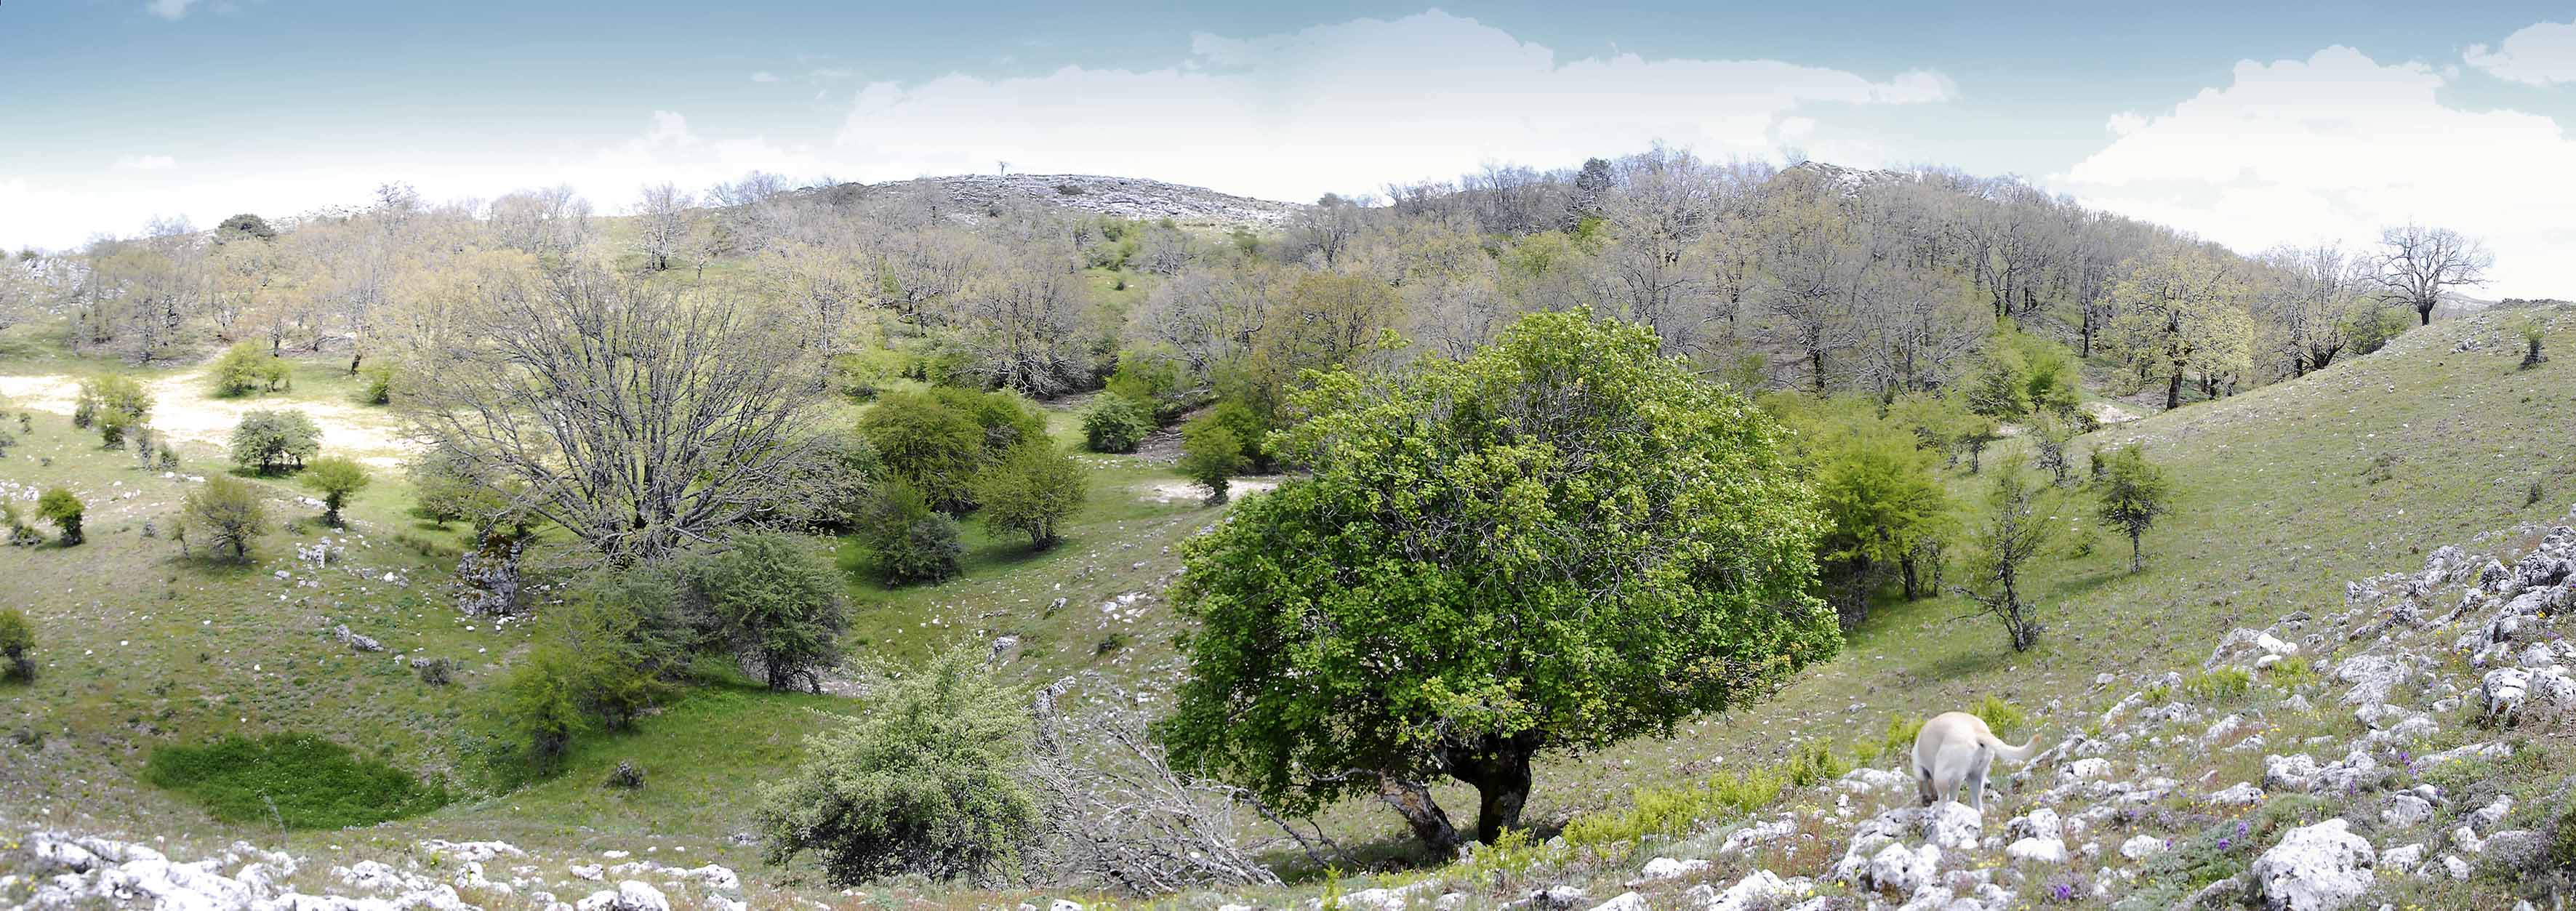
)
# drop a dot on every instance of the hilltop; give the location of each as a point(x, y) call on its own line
point(1115, 197)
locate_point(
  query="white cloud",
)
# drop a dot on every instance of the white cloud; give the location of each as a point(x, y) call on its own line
point(2336, 146)
point(764, 76)
point(146, 163)
point(1350, 106)
point(2539, 54)
point(169, 9)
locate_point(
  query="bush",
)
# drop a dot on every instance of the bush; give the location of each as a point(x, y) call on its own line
point(1153, 382)
point(777, 601)
point(1115, 423)
point(299, 781)
point(2003, 718)
point(60, 507)
point(537, 708)
point(627, 775)
point(1006, 419)
point(1210, 454)
point(909, 541)
point(378, 388)
point(1032, 492)
point(1251, 430)
point(241, 370)
point(445, 487)
point(17, 639)
point(267, 440)
point(930, 446)
point(435, 671)
point(114, 404)
point(930, 779)
point(229, 512)
point(335, 478)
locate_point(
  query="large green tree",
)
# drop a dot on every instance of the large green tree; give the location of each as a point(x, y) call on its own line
point(1883, 500)
point(1558, 543)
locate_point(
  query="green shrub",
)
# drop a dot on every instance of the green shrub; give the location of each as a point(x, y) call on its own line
point(1251, 430)
point(1115, 423)
point(538, 711)
point(1210, 454)
point(1154, 382)
point(1006, 419)
point(1032, 492)
point(1679, 809)
point(300, 781)
point(446, 487)
point(1815, 764)
point(335, 478)
point(775, 599)
point(228, 512)
point(239, 371)
point(2003, 718)
point(931, 447)
point(17, 640)
point(908, 540)
point(60, 507)
point(377, 387)
point(2219, 684)
point(265, 441)
point(930, 779)
point(114, 404)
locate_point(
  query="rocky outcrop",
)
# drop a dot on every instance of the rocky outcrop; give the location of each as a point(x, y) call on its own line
point(2314, 868)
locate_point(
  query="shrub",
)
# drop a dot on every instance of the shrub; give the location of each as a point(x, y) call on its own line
point(2003, 718)
point(777, 601)
point(299, 781)
point(1006, 419)
point(909, 541)
point(60, 507)
point(1210, 453)
point(240, 371)
point(1250, 428)
point(335, 478)
point(267, 440)
point(228, 511)
point(2134, 492)
point(1154, 382)
point(446, 487)
point(435, 671)
point(627, 775)
point(930, 446)
point(114, 404)
point(930, 779)
point(1115, 423)
point(2223, 683)
point(538, 711)
point(17, 639)
point(378, 385)
point(1032, 492)
point(623, 637)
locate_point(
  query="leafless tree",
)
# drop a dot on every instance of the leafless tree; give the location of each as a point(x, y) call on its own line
point(1327, 227)
point(1023, 328)
point(553, 221)
point(662, 224)
point(2417, 264)
point(635, 418)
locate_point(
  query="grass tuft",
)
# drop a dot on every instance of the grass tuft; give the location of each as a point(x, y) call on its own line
point(295, 781)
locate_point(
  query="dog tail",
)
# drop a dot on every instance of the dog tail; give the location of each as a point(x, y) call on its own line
point(2008, 752)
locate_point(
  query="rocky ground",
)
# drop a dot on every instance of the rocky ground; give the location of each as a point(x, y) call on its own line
point(1117, 197)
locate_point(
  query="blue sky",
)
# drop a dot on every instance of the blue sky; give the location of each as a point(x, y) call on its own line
point(2249, 123)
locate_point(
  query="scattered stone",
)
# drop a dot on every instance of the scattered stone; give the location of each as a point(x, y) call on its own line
point(2314, 868)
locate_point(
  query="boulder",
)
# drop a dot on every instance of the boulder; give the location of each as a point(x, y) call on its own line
point(1902, 871)
point(1670, 868)
point(2372, 677)
point(1758, 889)
point(2142, 847)
point(2516, 849)
point(2038, 850)
point(2314, 868)
point(2242, 793)
point(2290, 773)
point(1624, 901)
point(2405, 810)
point(2402, 860)
point(630, 895)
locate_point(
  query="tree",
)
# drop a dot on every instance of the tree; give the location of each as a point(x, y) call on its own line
point(115, 403)
point(244, 225)
point(1561, 542)
point(63, 509)
point(1032, 491)
point(1115, 423)
point(634, 417)
point(777, 601)
point(1210, 453)
point(229, 513)
point(1883, 500)
point(335, 478)
point(662, 223)
point(2183, 311)
point(239, 370)
point(445, 487)
point(2417, 264)
point(17, 638)
point(2134, 492)
point(2014, 530)
point(934, 448)
point(908, 540)
point(266, 440)
point(932, 778)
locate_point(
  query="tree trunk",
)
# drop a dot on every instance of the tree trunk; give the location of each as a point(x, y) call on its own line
point(2173, 392)
point(2137, 558)
point(2424, 312)
point(1500, 771)
point(1907, 564)
point(1413, 801)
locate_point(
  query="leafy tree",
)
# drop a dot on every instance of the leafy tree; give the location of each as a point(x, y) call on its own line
point(1558, 543)
point(265, 441)
point(2050, 435)
point(245, 368)
point(1883, 500)
point(930, 779)
point(626, 640)
point(1251, 430)
point(244, 225)
point(229, 511)
point(2133, 492)
point(17, 638)
point(539, 706)
point(63, 509)
point(776, 601)
point(1153, 382)
point(2013, 531)
point(2183, 310)
point(114, 403)
point(1006, 419)
point(335, 478)
point(907, 540)
point(930, 446)
point(1032, 492)
point(1115, 423)
point(446, 487)
point(1210, 454)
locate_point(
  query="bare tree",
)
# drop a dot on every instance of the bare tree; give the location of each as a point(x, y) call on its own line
point(662, 218)
point(553, 221)
point(631, 416)
point(2416, 264)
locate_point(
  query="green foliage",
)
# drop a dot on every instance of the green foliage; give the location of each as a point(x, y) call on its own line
point(1151, 381)
point(1251, 428)
point(1561, 542)
point(17, 640)
point(114, 403)
point(2562, 838)
point(2020, 375)
point(245, 368)
point(2003, 718)
point(1882, 495)
point(2223, 683)
point(228, 512)
point(2133, 492)
point(539, 711)
point(266, 441)
point(1814, 764)
point(299, 781)
point(776, 600)
point(2371, 326)
point(244, 225)
point(1899, 738)
point(335, 478)
point(2016, 528)
point(1005, 419)
point(931, 779)
point(60, 507)
point(1666, 811)
point(1210, 454)
point(2292, 673)
point(1032, 491)
point(376, 386)
point(934, 448)
point(614, 647)
point(445, 487)
point(1115, 423)
point(908, 541)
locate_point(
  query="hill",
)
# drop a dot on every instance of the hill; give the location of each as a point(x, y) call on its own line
point(1114, 197)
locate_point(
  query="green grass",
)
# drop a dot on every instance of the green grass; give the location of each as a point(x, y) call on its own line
point(297, 781)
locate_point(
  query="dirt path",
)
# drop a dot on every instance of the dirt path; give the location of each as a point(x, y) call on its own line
point(182, 410)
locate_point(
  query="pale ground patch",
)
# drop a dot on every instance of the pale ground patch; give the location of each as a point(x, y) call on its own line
point(2109, 414)
point(181, 409)
point(1180, 491)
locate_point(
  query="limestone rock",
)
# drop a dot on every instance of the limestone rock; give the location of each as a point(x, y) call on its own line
point(2314, 868)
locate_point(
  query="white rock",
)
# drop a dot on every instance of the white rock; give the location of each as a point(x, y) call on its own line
point(1063, 905)
point(2402, 860)
point(631, 895)
point(2314, 868)
point(1669, 868)
point(2373, 677)
point(2290, 773)
point(2405, 810)
point(2452, 864)
point(2486, 817)
point(1902, 871)
point(2238, 795)
point(2271, 644)
point(1758, 889)
point(2038, 850)
point(1624, 901)
point(1954, 825)
point(586, 871)
point(2084, 770)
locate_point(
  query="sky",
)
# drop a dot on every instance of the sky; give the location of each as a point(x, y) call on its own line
point(2250, 124)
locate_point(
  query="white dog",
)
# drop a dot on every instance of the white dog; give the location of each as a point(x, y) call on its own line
point(1953, 754)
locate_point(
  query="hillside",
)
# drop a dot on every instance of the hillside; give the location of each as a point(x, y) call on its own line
point(1114, 197)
